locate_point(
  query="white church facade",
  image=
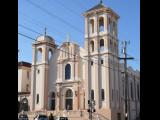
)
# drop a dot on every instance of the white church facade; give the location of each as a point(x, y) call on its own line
point(66, 77)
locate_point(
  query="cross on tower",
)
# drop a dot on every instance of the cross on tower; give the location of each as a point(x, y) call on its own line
point(101, 1)
point(45, 30)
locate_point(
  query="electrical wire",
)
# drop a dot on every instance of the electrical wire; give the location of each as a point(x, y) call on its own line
point(71, 53)
point(54, 16)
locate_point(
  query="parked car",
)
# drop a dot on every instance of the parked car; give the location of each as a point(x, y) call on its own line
point(61, 118)
point(41, 117)
point(23, 117)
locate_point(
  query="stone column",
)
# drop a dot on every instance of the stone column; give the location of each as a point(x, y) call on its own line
point(96, 42)
point(72, 70)
point(107, 86)
point(57, 97)
point(105, 23)
point(43, 54)
point(76, 71)
point(96, 29)
point(75, 98)
point(86, 27)
point(86, 44)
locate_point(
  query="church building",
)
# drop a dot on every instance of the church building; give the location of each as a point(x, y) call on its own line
point(65, 77)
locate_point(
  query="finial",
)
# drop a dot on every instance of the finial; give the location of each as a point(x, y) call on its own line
point(45, 29)
point(101, 1)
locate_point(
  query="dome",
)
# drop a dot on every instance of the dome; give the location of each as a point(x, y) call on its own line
point(45, 38)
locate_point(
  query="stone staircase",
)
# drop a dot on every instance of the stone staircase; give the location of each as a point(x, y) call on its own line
point(72, 115)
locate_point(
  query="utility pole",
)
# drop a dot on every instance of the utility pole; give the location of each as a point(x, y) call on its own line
point(125, 58)
point(135, 95)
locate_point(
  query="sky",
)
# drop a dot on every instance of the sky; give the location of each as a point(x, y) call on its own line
point(62, 17)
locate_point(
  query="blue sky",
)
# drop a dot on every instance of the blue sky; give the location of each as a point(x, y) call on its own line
point(67, 18)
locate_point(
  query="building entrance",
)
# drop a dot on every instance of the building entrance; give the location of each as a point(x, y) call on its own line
point(69, 100)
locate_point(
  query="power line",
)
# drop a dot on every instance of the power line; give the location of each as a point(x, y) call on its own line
point(67, 8)
point(55, 40)
point(41, 24)
point(26, 36)
point(71, 53)
point(54, 16)
point(29, 29)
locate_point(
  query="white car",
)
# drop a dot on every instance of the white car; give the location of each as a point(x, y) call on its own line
point(41, 117)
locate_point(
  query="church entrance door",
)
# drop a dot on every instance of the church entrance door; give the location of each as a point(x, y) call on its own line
point(69, 100)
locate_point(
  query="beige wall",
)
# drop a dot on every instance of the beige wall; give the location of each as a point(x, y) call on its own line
point(23, 80)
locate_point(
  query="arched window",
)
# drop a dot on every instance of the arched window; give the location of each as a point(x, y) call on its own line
point(92, 26)
point(114, 28)
point(39, 55)
point(68, 71)
point(69, 100)
point(101, 24)
point(50, 53)
point(69, 93)
point(92, 46)
point(109, 25)
point(92, 94)
point(24, 105)
point(101, 44)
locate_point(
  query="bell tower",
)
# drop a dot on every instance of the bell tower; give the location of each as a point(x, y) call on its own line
point(101, 47)
point(43, 50)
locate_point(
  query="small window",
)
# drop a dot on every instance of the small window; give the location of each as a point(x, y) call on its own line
point(101, 61)
point(91, 63)
point(92, 94)
point(102, 94)
point(38, 71)
point(37, 98)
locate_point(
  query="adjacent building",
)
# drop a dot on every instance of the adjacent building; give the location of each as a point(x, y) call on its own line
point(24, 85)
